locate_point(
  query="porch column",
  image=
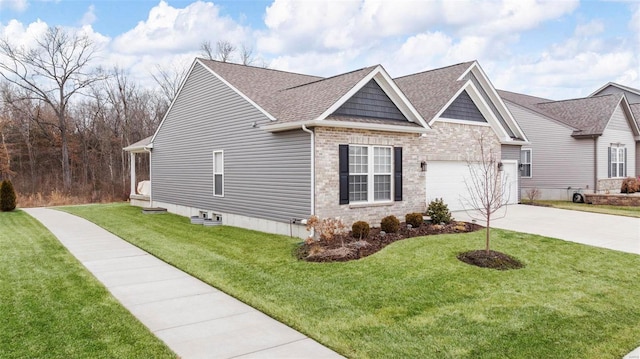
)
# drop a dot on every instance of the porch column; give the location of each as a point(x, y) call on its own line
point(132, 161)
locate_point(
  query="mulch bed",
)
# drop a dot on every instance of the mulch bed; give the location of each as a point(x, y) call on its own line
point(346, 248)
point(490, 259)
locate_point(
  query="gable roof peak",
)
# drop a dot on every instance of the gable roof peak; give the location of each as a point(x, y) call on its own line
point(460, 64)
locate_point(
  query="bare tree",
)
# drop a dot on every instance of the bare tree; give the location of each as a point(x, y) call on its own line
point(487, 186)
point(246, 55)
point(224, 50)
point(207, 50)
point(169, 80)
point(53, 71)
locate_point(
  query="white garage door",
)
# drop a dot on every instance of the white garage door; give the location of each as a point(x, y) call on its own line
point(446, 180)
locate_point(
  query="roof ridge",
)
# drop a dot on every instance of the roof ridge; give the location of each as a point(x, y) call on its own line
point(436, 69)
point(259, 67)
point(329, 78)
point(582, 98)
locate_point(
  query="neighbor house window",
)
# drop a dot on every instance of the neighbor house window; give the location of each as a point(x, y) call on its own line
point(370, 173)
point(617, 161)
point(218, 173)
point(525, 161)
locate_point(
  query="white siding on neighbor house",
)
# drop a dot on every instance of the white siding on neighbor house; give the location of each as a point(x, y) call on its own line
point(266, 175)
point(617, 131)
point(559, 161)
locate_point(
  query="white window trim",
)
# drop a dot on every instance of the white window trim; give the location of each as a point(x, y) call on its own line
point(371, 177)
point(619, 160)
point(216, 173)
point(530, 162)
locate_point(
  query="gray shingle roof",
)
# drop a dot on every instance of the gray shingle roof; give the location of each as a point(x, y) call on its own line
point(588, 116)
point(288, 96)
point(138, 146)
point(635, 110)
point(429, 91)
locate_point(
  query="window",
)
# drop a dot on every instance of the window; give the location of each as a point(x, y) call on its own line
point(617, 161)
point(525, 161)
point(370, 174)
point(218, 173)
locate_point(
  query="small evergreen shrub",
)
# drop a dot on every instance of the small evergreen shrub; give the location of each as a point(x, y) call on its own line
point(390, 224)
point(414, 219)
point(360, 229)
point(7, 196)
point(439, 211)
point(630, 185)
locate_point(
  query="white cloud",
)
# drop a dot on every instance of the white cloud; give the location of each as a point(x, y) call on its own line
point(16, 5)
point(174, 30)
point(591, 28)
point(17, 33)
point(89, 17)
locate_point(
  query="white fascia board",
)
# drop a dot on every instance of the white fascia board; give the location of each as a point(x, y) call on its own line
point(184, 80)
point(245, 97)
point(629, 114)
point(389, 87)
point(344, 124)
point(488, 87)
point(446, 105)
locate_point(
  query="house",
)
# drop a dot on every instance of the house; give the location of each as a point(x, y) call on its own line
point(579, 145)
point(265, 149)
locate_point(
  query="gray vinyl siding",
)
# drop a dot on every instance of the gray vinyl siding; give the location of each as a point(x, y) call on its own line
point(463, 108)
point(558, 161)
point(493, 107)
point(617, 131)
point(512, 152)
point(631, 97)
point(371, 101)
point(266, 175)
point(637, 174)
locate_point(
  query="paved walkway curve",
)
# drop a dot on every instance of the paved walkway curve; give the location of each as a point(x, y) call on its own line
point(194, 319)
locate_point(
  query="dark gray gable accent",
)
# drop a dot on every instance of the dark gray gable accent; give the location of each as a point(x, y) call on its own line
point(492, 106)
point(371, 101)
point(463, 108)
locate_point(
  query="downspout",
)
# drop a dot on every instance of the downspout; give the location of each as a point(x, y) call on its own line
point(313, 169)
point(595, 164)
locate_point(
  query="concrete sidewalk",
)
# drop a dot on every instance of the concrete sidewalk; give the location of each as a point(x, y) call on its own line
point(594, 229)
point(194, 319)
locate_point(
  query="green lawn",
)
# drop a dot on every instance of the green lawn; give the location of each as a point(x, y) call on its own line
point(414, 299)
point(51, 307)
point(615, 210)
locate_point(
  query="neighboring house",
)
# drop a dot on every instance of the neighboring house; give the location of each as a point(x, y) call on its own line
point(579, 145)
point(264, 149)
point(633, 96)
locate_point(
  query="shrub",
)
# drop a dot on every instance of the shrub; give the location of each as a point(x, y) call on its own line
point(7, 196)
point(439, 211)
point(533, 194)
point(414, 219)
point(390, 224)
point(360, 229)
point(630, 185)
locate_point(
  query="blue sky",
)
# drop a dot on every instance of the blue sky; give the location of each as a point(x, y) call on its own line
point(557, 49)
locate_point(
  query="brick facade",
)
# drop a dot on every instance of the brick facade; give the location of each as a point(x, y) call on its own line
point(460, 145)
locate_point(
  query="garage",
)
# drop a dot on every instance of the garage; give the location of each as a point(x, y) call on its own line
point(446, 180)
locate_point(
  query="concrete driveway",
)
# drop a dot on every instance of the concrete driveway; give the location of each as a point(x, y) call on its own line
point(600, 230)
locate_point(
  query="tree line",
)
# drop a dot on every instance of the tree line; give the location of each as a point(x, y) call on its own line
point(64, 120)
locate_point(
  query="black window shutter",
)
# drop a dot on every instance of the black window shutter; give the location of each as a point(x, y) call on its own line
point(397, 173)
point(609, 173)
point(625, 162)
point(343, 164)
